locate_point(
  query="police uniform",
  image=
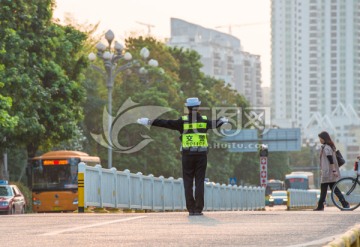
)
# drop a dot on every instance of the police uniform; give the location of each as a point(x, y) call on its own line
point(194, 147)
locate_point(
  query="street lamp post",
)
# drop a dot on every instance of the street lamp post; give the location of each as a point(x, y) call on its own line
point(111, 56)
point(310, 142)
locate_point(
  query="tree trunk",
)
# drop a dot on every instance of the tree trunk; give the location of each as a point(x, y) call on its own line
point(32, 149)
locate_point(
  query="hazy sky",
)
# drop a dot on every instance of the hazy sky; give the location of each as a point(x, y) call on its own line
point(122, 16)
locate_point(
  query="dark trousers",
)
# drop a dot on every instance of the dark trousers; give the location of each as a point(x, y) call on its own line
point(323, 193)
point(194, 166)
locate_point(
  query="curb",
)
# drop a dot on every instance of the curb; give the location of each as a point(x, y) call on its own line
point(351, 238)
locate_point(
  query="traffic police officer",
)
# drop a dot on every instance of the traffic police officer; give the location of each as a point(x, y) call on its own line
point(194, 147)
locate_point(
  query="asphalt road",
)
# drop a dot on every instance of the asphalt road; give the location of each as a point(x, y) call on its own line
point(273, 227)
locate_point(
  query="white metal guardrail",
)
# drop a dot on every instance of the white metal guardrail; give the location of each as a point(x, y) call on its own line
point(301, 199)
point(122, 189)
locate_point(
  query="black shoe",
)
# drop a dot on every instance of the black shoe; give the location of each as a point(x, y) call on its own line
point(318, 209)
point(345, 205)
point(191, 213)
point(198, 213)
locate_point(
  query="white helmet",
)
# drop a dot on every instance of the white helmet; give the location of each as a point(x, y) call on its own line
point(190, 102)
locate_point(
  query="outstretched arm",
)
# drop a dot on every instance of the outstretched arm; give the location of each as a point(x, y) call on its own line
point(213, 124)
point(169, 124)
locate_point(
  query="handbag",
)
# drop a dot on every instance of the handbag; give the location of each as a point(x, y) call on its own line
point(339, 158)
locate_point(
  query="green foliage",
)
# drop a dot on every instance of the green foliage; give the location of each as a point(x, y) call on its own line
point(305, 158)
point(7, 122)
point(247, 170)
point(161, 156)
point(17, 162)
point(278, 165)
point(43, 70)
point(219, 168)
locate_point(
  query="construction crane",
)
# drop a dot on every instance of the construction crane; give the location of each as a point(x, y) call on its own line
point(149, 26)
point(230, 26)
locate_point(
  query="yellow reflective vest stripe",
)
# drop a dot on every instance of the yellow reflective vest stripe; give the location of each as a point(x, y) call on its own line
point(189, 126)
point(194, 134)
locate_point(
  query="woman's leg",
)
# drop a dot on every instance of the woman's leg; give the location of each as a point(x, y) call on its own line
point(323, 192)
point(339, 195)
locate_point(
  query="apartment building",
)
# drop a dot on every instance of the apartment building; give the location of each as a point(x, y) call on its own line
point(316, 65)
point(222, 57)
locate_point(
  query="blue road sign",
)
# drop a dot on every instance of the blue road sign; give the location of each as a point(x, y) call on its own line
point(242, 140)
point(282, 139)
point(232, 181)
point(247, 140)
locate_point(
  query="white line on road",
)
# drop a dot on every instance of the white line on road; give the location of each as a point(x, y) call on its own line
point(88, 226)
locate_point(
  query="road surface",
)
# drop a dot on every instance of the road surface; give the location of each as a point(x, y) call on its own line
point(272, 227)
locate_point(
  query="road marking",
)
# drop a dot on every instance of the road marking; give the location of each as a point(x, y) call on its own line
point(88, 226)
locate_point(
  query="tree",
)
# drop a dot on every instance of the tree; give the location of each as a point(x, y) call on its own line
point(154, 89)
point(43, 71)
point(247, 168)
point(161, 156)
point(7, 122)
point(278, 165)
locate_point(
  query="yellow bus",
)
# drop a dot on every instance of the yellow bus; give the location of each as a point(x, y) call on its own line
point(52, 178)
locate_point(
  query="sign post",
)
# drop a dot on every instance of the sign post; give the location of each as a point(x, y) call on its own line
point(263, 165)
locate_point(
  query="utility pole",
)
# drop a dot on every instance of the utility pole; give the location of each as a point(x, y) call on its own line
point(5, 172)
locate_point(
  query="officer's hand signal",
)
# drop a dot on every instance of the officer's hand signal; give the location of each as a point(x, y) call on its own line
point(224, 120)
point(143, 121)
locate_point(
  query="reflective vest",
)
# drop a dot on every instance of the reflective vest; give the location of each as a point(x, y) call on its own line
point(194, 134)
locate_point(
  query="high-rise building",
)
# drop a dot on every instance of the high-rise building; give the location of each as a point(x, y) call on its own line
point(266, 96)
point(315, 58)
point(222, 57)
point(315, 63)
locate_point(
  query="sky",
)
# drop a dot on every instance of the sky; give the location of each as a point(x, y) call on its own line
point(249, 19)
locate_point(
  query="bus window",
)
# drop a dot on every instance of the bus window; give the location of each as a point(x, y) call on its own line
point(52, 178)
point(299, 180)
point(73, 176)
point(47, 176)
point(273, 185)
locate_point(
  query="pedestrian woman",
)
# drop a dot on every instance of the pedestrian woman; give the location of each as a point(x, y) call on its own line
point(194, 148)
point(329, 170)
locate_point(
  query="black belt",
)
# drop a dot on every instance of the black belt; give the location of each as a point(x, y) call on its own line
point(195, 149)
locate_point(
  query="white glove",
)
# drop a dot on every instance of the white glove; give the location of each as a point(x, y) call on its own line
point(224, 120)
point(143, 121)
